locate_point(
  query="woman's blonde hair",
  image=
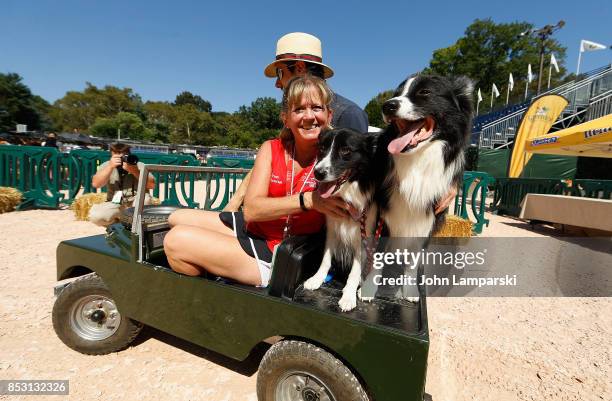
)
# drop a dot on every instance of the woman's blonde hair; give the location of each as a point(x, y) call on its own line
point(298, 87)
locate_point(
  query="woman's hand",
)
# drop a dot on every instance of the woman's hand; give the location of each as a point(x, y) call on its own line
point(446, 200)
point(333, 207)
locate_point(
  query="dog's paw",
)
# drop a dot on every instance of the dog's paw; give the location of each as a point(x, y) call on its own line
point(313, 283)
point(348, 301)
point(364, 299)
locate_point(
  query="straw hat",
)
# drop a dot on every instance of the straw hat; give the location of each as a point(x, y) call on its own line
point(298, 46)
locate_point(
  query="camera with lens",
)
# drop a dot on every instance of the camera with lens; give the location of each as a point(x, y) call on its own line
point(129, 159)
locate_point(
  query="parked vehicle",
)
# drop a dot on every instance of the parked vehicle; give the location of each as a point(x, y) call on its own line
point(113, 284)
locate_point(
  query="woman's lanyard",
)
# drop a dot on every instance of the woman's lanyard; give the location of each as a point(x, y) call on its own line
point(289, 190)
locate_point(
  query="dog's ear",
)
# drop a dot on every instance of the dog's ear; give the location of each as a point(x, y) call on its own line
point(462, 90)
point(325, 132)
point(371, 143)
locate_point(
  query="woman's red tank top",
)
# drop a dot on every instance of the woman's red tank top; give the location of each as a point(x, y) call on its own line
point(280, 181)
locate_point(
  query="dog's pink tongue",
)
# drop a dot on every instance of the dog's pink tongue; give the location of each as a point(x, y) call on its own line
point(422, 136)
point(398, 144)
point(326, 189)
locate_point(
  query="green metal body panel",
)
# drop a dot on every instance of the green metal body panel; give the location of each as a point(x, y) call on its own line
point(232, 319)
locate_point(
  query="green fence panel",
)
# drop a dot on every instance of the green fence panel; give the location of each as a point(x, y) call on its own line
point(33, 170)
point(510, 192)
point(495, 163)
point(232, 162)
point(474, 191)
point(598, 189)
point(48, 178)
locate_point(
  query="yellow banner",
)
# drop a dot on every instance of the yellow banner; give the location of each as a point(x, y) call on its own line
point(537, 121)
point(592, 139)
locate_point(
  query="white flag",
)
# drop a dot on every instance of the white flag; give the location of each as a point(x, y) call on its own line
point(529, 74)
point(495, 91)
point(588, 46)
point(553, 62)
point(511, 82)
point(479, 96)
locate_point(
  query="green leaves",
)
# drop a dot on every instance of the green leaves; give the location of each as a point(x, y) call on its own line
point(489, 52)
point(112, 112)
point(80, 110)
point(374, 108)
point(200, 104)
point(19, 106)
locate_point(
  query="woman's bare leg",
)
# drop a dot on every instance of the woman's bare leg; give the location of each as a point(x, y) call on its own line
point(192, 250)
point(199, 218)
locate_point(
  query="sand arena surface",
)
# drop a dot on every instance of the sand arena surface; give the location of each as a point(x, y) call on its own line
point(481, 348)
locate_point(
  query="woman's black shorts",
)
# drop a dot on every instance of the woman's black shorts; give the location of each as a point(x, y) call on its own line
point(254, 246)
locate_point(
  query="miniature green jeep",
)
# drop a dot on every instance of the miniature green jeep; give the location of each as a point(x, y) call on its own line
point(378, 351)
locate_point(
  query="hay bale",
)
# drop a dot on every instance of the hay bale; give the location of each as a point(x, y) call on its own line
point(9, 199)
point(455, 227)
point(83, 204)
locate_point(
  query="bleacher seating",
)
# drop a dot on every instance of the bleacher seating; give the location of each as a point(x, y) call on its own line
point(483, 119)
point(589, 96)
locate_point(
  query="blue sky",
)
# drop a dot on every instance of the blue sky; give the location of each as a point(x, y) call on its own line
point(219, 49)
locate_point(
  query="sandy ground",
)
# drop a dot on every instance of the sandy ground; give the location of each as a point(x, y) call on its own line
point(481, 348)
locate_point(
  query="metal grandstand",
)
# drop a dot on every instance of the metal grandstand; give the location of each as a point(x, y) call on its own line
point(589, 97)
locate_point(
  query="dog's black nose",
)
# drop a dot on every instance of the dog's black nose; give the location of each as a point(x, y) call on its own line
point(320, 174)
point(390, 107)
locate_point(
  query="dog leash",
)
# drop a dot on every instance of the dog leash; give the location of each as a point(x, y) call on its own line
point(370, 247)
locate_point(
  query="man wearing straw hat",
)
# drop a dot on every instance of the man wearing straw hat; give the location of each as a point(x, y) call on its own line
point(297, 54)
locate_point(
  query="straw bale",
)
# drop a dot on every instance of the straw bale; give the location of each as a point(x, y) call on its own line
point(9, 199)
point(455, 227)
point(83, 204)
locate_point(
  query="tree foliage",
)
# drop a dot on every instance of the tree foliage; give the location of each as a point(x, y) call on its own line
point(489, 52)
point(79, 110)
point(374, 108)
point(187, 97)
point(19, 106)
point(122, 125)
point(263, 114)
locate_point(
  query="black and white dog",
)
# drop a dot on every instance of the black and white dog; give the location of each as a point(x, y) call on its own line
point(346, 169)
point(429, 121)
point(403, 171)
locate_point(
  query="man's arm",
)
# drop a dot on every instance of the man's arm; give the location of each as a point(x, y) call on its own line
point(103, 174)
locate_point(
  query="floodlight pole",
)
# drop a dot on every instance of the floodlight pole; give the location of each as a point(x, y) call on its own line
point(542, 38)
point(543, 34)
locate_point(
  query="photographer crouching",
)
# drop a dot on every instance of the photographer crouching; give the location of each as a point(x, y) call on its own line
point(121, 174)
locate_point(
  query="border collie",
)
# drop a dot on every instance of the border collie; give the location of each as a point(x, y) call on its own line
point(429, 119)
point(345, 169)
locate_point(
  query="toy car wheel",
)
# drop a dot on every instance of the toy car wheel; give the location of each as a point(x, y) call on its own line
point(298, 371)
point(150, 214)
point(86, 319)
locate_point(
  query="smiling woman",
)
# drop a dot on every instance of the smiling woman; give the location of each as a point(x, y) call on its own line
point(279, 201)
